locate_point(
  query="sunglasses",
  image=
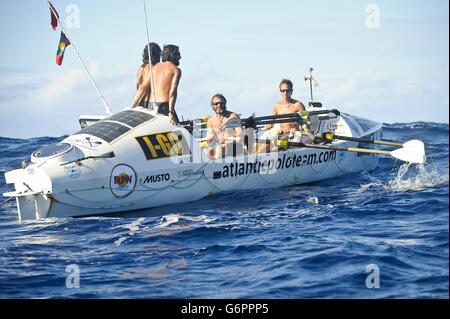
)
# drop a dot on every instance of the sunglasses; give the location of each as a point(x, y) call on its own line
point(219, 103)
point(285, 91)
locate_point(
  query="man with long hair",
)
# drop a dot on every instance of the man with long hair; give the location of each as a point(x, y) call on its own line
point(155, 52)
point(166, 77)
point(225, 129)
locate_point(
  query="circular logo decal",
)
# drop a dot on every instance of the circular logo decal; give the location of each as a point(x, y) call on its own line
point(123, 180)
point(72, 170)
point(331, 126)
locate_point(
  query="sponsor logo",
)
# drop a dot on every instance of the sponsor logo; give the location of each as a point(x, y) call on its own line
point(189, 172)
point(332, 126)
point(91, 142)
point(72, 170)
point(122, 181)
point(164, 177)
point(30, 171)
point(163, 145)
point(270, 166)
point(185, 159)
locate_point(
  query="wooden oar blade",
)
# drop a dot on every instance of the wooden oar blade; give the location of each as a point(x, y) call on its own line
point(412, 151)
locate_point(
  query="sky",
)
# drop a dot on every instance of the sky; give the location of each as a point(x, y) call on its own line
point(383, 60)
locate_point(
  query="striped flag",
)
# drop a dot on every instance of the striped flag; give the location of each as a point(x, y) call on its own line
point(63, 44)
point(54, 16)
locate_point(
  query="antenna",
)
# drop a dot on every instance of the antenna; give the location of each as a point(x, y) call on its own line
point(149, 54)
point(310, 83)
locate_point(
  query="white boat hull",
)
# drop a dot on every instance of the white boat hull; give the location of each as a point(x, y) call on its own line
point(142, 175)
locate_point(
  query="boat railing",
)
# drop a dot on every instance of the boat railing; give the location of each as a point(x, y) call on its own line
point(303, 117)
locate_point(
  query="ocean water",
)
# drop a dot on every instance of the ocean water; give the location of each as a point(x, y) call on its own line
point(378, 234)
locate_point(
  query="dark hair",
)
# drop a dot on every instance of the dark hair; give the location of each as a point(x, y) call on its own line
point(168, 53)
point(288, 82)
point(220, 96)
point(155, 52)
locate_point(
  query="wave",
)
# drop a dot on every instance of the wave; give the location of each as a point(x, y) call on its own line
point(41, 139)
point(418, 126)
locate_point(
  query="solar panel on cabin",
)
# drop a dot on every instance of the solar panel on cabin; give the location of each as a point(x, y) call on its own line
point(105, 130)
point(131, 118)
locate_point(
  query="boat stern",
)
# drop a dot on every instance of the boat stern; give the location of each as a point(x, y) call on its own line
point(32, 191)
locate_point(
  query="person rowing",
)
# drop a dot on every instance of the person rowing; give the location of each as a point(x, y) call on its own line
point(287, 105)
point(224, 127)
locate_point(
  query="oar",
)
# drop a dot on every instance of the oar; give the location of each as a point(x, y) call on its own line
point(412, 151)
point(415, 145)
point(330, 136)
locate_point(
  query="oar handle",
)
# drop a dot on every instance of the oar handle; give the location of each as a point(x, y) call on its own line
point(306, 113)
point(272, 117)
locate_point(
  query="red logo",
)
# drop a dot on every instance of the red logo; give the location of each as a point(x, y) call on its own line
point(122, 181)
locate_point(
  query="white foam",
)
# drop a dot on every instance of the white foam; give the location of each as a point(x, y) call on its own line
point(366, 186)
point(401, 242)
point(416, 177)
point(133, 227)
point(168, 220)
point(119, 241)
point(312, 200)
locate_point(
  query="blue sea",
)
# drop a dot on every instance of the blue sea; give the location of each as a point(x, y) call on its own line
point(377, 234)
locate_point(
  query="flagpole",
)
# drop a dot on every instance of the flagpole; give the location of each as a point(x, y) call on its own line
point(149, 54)
point(108, 110)
point(310, 83)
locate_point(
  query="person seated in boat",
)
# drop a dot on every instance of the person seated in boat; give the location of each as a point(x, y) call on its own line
point(224, 127)
point(166, 77)
point(287, 105)
point(155, 52)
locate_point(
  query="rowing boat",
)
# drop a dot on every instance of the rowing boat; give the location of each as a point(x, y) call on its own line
point(136, 159)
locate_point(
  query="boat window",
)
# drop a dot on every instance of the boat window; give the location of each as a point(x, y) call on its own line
point(51, 150)
point(111, 128)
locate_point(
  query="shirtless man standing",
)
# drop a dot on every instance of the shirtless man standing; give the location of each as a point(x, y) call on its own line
point(155, 52)
point(166, 76)
point(230, 140)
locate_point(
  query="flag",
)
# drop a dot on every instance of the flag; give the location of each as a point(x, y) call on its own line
point(54, 16)
point(63, 43)
point(314, 82)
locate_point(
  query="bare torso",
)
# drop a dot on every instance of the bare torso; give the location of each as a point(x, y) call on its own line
point(216, 122)
point(286, 107)
point(166, 77)
point(139, 82)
